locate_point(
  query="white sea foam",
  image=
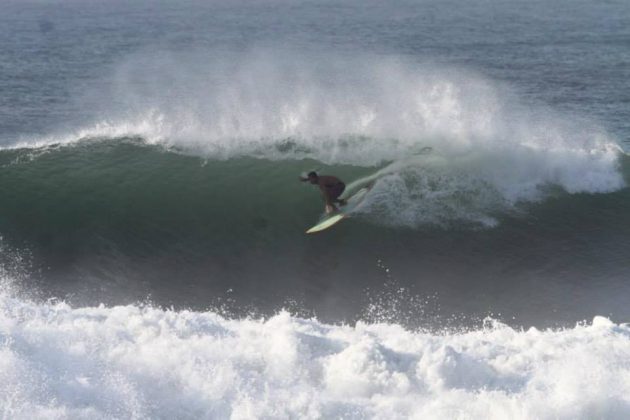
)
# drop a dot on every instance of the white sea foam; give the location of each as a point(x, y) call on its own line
point(140, 362)
point(491, 150)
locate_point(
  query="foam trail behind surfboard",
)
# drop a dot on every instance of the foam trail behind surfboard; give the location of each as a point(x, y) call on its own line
point(370, 180)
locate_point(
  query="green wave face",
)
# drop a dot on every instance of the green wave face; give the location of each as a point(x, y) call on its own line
point(143, 198)
point(120, 221)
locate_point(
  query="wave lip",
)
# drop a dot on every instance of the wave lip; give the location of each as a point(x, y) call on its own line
point(136, 362)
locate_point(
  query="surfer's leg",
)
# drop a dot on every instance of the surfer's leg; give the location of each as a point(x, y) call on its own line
point(339, 189)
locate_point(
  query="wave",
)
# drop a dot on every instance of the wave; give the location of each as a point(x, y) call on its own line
point(428, 188)
point(492, 150)
point(134, 361)
point(118, 220)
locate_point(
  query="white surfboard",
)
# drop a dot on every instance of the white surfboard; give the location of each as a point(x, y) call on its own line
point(352, 203)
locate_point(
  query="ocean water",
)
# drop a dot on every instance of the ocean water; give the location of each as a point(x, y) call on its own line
point(153, 260)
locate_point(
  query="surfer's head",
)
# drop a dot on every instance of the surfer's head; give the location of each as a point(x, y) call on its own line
point(313, 177)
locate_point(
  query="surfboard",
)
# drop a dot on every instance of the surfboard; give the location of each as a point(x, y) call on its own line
point(352, 203)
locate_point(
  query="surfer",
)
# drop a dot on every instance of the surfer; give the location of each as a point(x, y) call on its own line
point(331, 188)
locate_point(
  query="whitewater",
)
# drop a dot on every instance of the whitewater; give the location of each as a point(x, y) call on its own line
point(142, 362)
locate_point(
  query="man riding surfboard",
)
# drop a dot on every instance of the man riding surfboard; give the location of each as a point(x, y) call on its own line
point(331, 188)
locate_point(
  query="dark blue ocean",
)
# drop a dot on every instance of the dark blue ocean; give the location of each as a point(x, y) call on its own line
point(153, 255)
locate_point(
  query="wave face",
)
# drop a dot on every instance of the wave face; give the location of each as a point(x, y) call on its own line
point(121, 221)
point(184, 192)
point(140, 362)
point(430, 187)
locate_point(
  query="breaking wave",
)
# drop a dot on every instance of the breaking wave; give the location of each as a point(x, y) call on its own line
point(143, 362)
point(490, 150)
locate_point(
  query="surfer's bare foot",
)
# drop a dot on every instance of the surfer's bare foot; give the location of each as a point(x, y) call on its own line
point(330, 209)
